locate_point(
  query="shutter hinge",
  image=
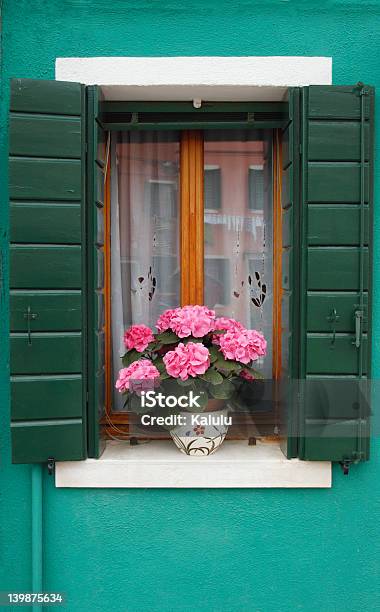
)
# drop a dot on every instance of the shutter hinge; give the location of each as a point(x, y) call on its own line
point(50, 465)
point(362, 89)
point(345, 465)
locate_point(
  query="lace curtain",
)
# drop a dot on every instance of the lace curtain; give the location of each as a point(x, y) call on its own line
point(145, 230)
point(238, 229)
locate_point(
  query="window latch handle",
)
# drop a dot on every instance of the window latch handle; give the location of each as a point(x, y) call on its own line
point(358, 327)
point(29, 316)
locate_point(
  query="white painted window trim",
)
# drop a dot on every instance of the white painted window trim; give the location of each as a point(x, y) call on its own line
point(160, 464)
point(189, 78)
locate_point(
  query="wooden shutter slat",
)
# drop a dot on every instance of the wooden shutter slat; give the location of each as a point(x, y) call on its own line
point(336, 102)
point(59, 439)
point(335, 268)
point(57, 310)
point(31, 397)
point(336, 225)
point(325, 357)
point(47, 353)
point(335, 182)
point(45, 222)
point(320, 304)
point(50, 97)
point(338, 141)
point(45, 267)
point(31, 135)
point(45, 179)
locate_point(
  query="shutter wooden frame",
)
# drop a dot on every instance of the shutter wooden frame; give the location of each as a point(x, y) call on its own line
point(337, 133)
point(47, 271)
point(290, 201)
point(97, 157)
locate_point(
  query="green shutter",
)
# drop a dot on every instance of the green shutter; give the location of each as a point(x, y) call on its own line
point(47, 274)
point(96, 167)
point(335, 274)
point(288, 427)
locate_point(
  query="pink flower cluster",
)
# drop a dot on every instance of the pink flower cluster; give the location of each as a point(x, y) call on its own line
point(191, 359)
point(244, 345)
point(225, 324)
point(164, 320)
point(138, 337)
point(194, 321)
point(140, 375)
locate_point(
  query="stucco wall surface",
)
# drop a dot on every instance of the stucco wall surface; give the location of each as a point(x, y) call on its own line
point(219, 550)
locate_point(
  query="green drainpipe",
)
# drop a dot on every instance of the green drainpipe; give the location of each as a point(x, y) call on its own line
point(37, 582)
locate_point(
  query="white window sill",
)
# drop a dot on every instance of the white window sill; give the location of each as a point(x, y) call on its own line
point(159, 464)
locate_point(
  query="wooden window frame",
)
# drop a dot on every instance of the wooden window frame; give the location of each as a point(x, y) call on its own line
point(191, 255)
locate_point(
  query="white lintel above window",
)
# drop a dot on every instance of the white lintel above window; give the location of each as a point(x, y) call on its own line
point(230, 79)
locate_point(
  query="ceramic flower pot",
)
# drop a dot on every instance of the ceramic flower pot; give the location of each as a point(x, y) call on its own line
point(203, 433)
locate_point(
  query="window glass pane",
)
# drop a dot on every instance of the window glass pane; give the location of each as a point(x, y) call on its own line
point(238, 235)
point(144, 231)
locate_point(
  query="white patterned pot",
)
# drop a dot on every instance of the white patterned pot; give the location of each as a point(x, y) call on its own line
point(202, 434)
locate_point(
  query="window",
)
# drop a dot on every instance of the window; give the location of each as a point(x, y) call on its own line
point(164, 255)
point(316, 152)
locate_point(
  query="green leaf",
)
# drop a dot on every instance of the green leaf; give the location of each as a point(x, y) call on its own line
point(167, 337)
point(227, 365)
point(214, 353)
point(223, 391)
point(191, 339)
point(152, 346)
point(212, 376)
point(185, 383)
point(159, 365)
point(130, 357)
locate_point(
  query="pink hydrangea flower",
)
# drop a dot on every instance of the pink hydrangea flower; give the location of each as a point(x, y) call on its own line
point(225, 324)
point(138, 337)
point(191, 359)
point(140, 375)
point(244, 345)
point(164, 320)
point(194, 321)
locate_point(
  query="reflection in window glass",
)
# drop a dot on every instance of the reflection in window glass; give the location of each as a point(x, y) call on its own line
point(256, 188)
point(212, 188)
point(240, 230)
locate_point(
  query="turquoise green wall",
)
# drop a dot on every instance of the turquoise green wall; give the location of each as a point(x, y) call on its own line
point(216, 550)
